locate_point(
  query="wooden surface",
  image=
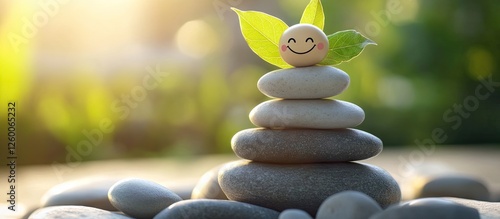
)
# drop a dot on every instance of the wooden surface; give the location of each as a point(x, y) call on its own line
point(408, 166)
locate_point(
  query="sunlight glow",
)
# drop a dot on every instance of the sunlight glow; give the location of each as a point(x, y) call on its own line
point(197, 39)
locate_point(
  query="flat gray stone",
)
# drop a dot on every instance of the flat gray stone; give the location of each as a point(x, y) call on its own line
point(215, 209)
point(305, 145)
point(74, 212)
point(91, 192)
point(141, 198)
point(348, 205)
point(428, 208)
point(455, 186)
point(304, 186)
point(208, 186)
point(313, 82)
point(487, 210)
point(314, 114)
point(294, 214)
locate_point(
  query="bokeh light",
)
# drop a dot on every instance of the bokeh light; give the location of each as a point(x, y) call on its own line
point(197, 39)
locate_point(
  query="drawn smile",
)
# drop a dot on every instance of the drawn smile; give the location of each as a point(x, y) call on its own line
point(301, 53)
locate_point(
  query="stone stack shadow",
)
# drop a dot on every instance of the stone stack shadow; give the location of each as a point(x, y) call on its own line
point(303, 151)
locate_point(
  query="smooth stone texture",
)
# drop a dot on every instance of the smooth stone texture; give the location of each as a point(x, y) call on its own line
point(348, 205)
point(455, 186)
point(487, 210)
point(215, 209)
point(208, 186)
point(304, 186)
point(429, 208)
point(305, 145)
point(141, 198)
point(91, 192)
point(74, 212)
point(294, 214)
point(313, 82)
point(315, 114)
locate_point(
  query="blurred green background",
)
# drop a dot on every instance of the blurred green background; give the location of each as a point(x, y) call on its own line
point(73, 65)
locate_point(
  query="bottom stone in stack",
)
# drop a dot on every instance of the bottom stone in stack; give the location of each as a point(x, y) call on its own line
point(304, 186)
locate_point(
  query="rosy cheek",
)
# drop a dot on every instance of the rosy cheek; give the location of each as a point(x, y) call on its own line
point(321, 46)
point(283, 48)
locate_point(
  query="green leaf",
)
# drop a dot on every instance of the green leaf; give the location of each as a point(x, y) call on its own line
point(262, 33)
point(313, 14)
point(344, 46)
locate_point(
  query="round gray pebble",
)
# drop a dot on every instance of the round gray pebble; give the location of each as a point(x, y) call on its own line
point(305, 145)
point(428, 208)
point(215, 209)
point(487, 210)
point(455, 186)
point(348, 205)
point(304, 186)
point(294, 214)
point(208, 186)
point(91, 192)
point(141, 198)
point(74, 212)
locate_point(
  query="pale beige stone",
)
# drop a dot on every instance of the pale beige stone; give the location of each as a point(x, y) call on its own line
point(303, 45)
point(208, 186)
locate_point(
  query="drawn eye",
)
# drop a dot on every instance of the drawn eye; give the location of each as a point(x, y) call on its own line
point(311, 39)
point(292, 39)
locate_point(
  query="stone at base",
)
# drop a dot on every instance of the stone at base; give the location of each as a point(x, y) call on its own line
point(74, 212)
point(294, 214)
point(208, 186)
point(455, 186)
point(429, 208)
point(304, 186)
point(141, 198)
point(348, 205)
point(305, 145)
point(91, 192)
point(211, 209)
point(487, 210)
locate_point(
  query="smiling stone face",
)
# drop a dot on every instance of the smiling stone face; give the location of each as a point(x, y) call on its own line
point(303, 45)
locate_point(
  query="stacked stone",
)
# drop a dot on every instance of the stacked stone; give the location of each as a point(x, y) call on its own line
point(302, 152)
